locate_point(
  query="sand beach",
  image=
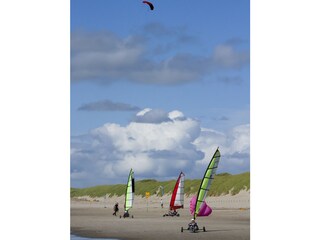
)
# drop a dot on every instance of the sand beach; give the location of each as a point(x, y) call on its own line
point(230, 218)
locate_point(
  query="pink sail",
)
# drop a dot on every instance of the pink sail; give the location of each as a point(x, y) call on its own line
point(205, 210)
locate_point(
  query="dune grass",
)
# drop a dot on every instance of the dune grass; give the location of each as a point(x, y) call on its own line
point(224, 183)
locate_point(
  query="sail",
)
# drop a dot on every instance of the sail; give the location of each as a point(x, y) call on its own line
point(206, 183)
point(205, 209)
point(177, 198)
point(162, 190)
point(129, 191)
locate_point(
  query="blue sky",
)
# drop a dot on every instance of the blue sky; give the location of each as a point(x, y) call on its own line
point(188, 59)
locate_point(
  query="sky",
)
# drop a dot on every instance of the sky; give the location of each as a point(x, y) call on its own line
point(158, 91)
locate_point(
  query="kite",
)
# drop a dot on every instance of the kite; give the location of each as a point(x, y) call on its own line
point(150, 4)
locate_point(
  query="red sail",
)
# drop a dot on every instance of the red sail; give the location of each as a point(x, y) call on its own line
point(177, 197)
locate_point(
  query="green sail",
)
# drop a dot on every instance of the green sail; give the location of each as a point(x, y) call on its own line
point(207, 181)
point(129, 191)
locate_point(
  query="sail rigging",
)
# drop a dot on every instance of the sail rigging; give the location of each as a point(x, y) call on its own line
point(177, 198)
point(206, 183)
point(129, 191)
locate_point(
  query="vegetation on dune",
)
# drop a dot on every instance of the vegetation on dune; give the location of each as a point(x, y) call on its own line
point(224, 183)
point(230, 183)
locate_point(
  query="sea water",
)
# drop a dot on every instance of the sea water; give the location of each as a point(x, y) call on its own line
point(74, 237)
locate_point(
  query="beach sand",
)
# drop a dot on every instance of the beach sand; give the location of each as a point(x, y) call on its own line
point(93, 218)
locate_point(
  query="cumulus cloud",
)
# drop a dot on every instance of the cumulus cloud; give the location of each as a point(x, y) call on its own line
point(152, 116)
point(107, 105)
point(105, 57)
point(158, 148)
point(152, 149)
point(234, 146)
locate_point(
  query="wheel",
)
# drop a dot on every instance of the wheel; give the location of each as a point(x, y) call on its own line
point(178, 215)
point(181, 229)
point(193, 230)
point(204, 229)
point(132, 216)
point(120, 216)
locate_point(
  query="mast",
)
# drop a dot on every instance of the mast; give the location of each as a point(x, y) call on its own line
point(206, 181)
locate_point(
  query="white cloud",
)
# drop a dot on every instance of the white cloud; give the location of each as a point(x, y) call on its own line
point(158, 149)
point(240, 140)
point(143, 111)
point(152, 116)
point(175, 115)
point(234, 147)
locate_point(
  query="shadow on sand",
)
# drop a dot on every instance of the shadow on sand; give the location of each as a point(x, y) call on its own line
point(221, 230)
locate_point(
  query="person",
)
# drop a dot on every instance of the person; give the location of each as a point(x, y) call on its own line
point(115, 209)
point(161, 202)
point(193, 225)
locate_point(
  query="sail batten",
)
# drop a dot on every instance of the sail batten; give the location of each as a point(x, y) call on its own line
point(205, 184)
point(129, 191)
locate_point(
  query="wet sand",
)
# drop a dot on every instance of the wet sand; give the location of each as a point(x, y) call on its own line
point(95, 219)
